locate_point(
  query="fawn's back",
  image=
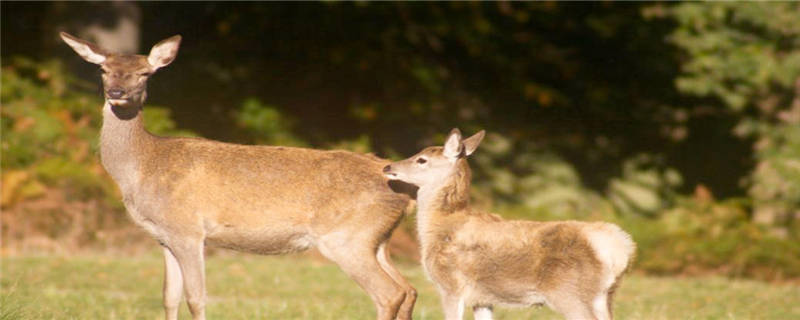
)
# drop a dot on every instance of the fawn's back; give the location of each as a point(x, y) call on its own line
point(515, 262)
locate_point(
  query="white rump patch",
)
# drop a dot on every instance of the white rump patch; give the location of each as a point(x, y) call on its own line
point(613, 248)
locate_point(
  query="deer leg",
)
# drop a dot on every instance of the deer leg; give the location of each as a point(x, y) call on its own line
point(190, 258)
point(482, 312)
point(173, 285)
point(453, 306)
point(600, 307)
point(407, 307)
point(359, 261)
point(610, 297)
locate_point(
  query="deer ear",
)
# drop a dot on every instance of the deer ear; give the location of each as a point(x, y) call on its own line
point(164, 52)
point(471, 143)
point(453, 145)
point(85, 49)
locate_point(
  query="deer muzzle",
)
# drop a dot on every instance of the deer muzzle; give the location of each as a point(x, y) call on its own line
point(387, 172)
point(115, 93)
point(118, 97)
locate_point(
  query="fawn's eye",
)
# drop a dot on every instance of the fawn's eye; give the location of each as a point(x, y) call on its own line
point(421, 160)
point(145, 74)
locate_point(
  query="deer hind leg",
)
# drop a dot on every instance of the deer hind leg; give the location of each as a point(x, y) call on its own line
point(407, 307)
point(572, 308)
point(359, 261)
point(600, 306)
point(189, 254)
point(173, 285)
point(603, 304)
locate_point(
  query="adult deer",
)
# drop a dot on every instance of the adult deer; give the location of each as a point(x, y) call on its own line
point(479, 259)
point(188, 192)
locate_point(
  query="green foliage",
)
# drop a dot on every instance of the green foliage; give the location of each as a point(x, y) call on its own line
point(645, 187)
point(549, 186)
point(265, 124)
point(538, 180)
point(777, 177)
point(699, 237)
point(158, 121)
point(747, 55)
point(41, 117)
point(739, 52)
point(360, 144)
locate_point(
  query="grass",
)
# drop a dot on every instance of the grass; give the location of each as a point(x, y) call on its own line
point(299, 287)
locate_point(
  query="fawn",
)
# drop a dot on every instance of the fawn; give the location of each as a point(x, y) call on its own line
point(189, 192)
point(480, 260)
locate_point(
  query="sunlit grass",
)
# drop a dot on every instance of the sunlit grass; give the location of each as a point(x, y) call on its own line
point(299, 287)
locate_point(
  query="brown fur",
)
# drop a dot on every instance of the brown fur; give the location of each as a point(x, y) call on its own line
point(190, 192)
point(479, 259)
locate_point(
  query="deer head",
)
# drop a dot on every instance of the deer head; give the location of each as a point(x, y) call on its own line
point(125, 76)
point(434, 164)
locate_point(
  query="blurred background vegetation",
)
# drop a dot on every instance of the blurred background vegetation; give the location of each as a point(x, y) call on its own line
point(679, 121)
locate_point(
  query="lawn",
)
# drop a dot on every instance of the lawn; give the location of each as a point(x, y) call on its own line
point(93, 286)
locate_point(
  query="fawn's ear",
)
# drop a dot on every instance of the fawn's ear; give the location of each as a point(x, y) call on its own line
point(452, 147)
point(164, 52)
point(85, 49)
point(471, 143)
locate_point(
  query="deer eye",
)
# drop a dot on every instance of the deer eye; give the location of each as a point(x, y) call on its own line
point(421, 160)
point(145, 74)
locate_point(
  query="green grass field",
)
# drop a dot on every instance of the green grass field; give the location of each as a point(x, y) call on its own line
point(298, 287)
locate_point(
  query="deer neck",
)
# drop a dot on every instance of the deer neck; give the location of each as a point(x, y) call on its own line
point(442, 201)
point(123, 140)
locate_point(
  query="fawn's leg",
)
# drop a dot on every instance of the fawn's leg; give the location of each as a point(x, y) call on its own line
point(453, 306)
point(482, 312)
point(572, 308)
point(173, 285)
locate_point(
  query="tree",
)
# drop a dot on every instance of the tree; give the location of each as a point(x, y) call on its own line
point(747, 57)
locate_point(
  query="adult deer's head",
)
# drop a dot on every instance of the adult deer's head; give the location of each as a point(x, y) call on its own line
point(125, 76)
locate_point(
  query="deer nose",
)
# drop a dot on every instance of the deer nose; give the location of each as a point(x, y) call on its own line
point(115, 93)
point(387, 168)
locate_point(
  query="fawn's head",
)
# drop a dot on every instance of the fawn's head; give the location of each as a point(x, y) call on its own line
point(125, 76)
point(434, 164)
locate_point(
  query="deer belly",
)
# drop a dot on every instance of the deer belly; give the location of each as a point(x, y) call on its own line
point(275, 240)
point(504, 293)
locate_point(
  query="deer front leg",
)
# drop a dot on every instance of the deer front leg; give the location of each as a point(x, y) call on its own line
point(189, 254)
point(453, 306)
point(173, 285)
